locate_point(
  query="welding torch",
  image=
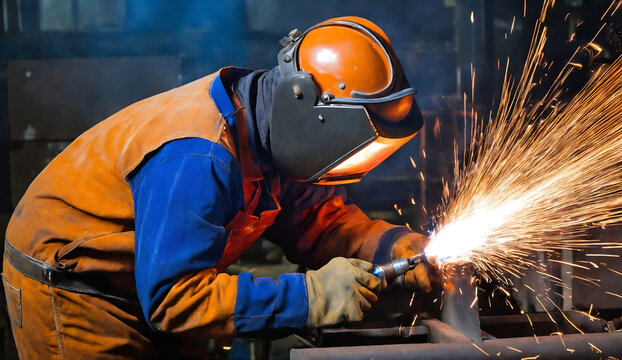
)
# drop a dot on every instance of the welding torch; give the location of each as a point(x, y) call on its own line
point(388, 272)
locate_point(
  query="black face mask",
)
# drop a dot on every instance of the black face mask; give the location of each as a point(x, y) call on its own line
point(255, 91)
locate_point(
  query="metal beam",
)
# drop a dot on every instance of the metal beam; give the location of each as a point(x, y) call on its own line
point(576, 346)
point(439, 332)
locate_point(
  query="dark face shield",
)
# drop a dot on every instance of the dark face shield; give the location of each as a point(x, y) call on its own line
point(335, 142)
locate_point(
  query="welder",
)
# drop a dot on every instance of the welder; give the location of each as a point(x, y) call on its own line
point(118, 248)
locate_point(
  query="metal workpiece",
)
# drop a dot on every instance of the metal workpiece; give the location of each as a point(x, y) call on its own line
point(460, 304)
point(439, 332)
point(575, 346)
point(373, 336)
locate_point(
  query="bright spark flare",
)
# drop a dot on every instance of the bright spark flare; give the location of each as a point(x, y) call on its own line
point(538, 176)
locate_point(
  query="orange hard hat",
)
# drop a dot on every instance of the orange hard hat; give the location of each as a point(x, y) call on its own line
point(343, 103)
point(343, 60)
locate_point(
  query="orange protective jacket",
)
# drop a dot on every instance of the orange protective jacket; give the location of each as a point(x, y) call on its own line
point(78, 214)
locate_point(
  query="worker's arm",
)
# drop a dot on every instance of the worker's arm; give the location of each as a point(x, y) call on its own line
point(184, 196)
point(316, 225)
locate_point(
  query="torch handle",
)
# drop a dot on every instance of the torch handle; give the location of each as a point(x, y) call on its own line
point(395, 268)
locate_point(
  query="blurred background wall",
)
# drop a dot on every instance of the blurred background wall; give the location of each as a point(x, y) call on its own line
point(67, 64)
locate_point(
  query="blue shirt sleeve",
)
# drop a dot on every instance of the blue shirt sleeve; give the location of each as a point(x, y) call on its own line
point(184, 196)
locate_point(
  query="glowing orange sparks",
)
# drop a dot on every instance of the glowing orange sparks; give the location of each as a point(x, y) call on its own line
point(547, 312)
point(613, 294)
point(606, 11)
point(480, 349)
point(569, 264)
point(473, 303)
point(614, 271)
point(595, 47)
point(593, 347)
point(508, 204)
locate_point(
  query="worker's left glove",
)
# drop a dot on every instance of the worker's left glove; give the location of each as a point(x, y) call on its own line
point(341, 291)
point(407, 246)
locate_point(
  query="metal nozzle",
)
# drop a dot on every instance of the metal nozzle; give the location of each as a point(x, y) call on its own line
point(398, 267)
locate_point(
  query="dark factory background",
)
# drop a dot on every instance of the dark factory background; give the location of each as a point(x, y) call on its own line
point(67, 64)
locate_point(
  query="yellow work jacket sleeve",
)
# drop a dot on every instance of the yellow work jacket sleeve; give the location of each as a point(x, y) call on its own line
point(200, 305)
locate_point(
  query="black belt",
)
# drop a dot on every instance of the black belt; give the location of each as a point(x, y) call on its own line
point(63, 279)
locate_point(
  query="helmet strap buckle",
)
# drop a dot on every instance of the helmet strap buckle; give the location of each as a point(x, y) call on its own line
point(293, 36)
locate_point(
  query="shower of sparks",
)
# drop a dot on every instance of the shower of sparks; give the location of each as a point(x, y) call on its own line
point(603, 255)
point(539, 175)
point(412, 162)
point(474, 302)
point(615, 272)
point(399, 211)
point(480, 349)
point(594, 348)
point(515, 349)
point(613, 294)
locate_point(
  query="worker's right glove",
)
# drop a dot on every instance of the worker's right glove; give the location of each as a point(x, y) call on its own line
point(341, 291)
point(410, 245)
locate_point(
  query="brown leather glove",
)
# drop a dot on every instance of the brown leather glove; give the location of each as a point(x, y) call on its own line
point(341, 291)
point(408, 246)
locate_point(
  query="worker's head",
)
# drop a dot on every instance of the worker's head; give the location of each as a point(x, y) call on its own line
point(343, 104)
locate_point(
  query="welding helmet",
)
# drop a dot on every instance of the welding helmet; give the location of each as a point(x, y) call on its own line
point(343, 104)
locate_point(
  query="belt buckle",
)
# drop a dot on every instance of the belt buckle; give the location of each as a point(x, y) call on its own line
point(48, 275)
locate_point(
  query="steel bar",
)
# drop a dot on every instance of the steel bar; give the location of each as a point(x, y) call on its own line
point(402, 331)
point(575, 346)
point(377, 336)
point(443, 333)
point(520, 325)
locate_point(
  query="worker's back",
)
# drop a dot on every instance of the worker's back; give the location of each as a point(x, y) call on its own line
point(82, 199)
